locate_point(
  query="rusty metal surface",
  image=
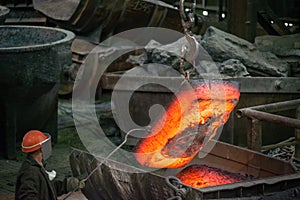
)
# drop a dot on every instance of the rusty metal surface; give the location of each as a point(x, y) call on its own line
point(269, 85)
point(254, 134)
point(260, 98)
point(255, 114)
point(276, 107)
point(57, 9)
point(82, 47)
point(246, 162)
point(262, 84)
point(286, 121)
point(115, 180)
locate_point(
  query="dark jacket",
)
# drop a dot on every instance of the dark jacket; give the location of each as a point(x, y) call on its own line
point(33, 183)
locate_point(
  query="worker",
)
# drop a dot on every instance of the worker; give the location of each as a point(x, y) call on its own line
point(33, 180)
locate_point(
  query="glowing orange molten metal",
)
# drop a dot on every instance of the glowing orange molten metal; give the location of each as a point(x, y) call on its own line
point(190, 121)
point(200, 176)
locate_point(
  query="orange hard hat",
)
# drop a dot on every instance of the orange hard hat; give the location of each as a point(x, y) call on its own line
point(33, 140)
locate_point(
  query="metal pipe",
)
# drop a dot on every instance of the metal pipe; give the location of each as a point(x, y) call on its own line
point(247, 112)
point(274, 107)
point(254, 134)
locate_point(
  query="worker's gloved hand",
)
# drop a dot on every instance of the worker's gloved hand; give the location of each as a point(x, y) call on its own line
point(74, 183)
point(82, 184)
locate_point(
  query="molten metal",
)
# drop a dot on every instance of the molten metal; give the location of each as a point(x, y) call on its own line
point(200, 176)
point(188, 124)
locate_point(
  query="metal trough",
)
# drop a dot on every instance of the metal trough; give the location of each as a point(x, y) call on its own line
point(116, 180)
point(31, 60)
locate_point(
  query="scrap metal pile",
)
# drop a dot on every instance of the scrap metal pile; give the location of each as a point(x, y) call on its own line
point(285, 152)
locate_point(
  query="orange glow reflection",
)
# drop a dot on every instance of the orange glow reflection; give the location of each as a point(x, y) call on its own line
point(200, 176)
point(190, 121)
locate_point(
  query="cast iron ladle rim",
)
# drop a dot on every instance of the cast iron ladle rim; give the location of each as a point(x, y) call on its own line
point(68, 36)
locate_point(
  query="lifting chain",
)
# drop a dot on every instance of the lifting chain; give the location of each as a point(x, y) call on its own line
point(179, 188)
point(188, 21)
point(187, 18)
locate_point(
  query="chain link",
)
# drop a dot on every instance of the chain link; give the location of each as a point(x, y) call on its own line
point(179, 188)
point(188, 21)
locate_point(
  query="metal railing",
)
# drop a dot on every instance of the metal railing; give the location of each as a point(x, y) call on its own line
point(256, 114)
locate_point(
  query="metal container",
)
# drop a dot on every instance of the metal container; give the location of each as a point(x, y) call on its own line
point(31, 60)
point(116, 180)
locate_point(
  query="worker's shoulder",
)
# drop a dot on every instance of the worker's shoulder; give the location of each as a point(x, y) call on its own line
point(29, 168)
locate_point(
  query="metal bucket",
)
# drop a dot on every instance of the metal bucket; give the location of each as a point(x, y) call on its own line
point(31, 60)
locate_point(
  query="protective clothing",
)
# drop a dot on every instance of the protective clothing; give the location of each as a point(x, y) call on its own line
point(34, 140)
point(33, 183)
point(72, 184)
